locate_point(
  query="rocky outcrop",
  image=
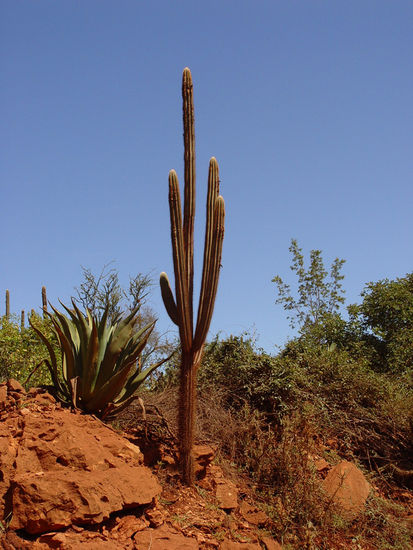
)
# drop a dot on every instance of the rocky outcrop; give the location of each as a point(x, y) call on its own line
point(61, 468)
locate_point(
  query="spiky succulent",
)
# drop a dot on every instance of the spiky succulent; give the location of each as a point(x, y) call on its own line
point(100, 369)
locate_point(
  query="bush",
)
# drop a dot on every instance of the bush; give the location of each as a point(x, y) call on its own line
point(21, 352)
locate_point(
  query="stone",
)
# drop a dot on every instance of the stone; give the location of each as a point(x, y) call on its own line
point(321, 464)
point(44, 399)
point(252, 514)
point(226, 493)
point(60, 468)
point(203, 456)
point(347, 487)
point(14, 385)
point(164, 538)
point(155, 517)
point(271, 544)
point(82, 497)
point(3, 396)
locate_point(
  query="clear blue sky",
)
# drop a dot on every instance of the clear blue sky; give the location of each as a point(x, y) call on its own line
point(307, 105)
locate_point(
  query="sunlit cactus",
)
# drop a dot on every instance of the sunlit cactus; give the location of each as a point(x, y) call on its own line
point(22, 320)
point(180, 307)
point(44, 300)
point(7, 304)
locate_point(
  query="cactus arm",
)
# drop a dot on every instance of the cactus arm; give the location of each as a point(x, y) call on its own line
point(181, 286)
point(168, 298)
point(213, 190)
point(44, 300)
point(211, 282)
point(190, 176)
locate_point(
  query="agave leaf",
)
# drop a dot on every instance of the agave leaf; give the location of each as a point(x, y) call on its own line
point(67, 350)
point(52, 367)
point(102, 326)
point(137, 379)
point(118, 342)
point(83, 332)
point(134, 348)
point(109, 390)
point(91, 367)
point(68, 326)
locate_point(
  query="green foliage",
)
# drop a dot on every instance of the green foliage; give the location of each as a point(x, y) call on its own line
point(385, 317)
point(100, 359)
point(21, 351)
point(349, 400)
point(319, 293)
point(244, 371)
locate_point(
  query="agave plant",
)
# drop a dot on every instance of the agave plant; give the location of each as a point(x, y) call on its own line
point(100, 369)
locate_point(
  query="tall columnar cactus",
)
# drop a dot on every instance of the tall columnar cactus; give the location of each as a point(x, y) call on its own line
point(180, 309)
point(22, 320)
point(7, 304)
point(44, 301)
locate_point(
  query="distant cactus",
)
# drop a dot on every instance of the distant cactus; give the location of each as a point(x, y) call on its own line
point(7, 304)
point(181, 309)
point(22, 320)
point(44, 300)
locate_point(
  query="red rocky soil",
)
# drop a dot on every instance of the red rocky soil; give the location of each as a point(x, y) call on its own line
point(69, 481)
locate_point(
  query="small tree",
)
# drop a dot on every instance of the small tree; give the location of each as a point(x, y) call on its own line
point(386, 318)
point(315, 305)
point(98, 292)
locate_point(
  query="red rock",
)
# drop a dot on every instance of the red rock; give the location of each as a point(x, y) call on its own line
point(252, 514)
point(127, 526)
point(14, 385)
point(227, 494)
point(44, 399)
point(230, 545)
point(163, 538)
point(203, 456)
point(8, 453)
point(347, 487)
point(271, 544)
point(65, 468)
point(155, 517)
point(321, 464)
point(56, 499)
point(3, 396)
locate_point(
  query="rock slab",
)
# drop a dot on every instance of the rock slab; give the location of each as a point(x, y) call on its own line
point(347, 487)
point(60, 468)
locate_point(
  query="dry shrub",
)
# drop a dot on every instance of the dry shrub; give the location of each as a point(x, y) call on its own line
point(276, 458)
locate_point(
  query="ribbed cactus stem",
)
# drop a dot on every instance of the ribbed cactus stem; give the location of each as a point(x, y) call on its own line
point(22, 320)
point(7, 304)
point(190, 178)
point(44, 300)
point(180, 308)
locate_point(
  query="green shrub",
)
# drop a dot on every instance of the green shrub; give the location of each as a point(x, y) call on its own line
point(21, 351)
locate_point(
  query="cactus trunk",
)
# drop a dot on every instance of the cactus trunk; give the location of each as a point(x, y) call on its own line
point(180, 308)
point(187, 414)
